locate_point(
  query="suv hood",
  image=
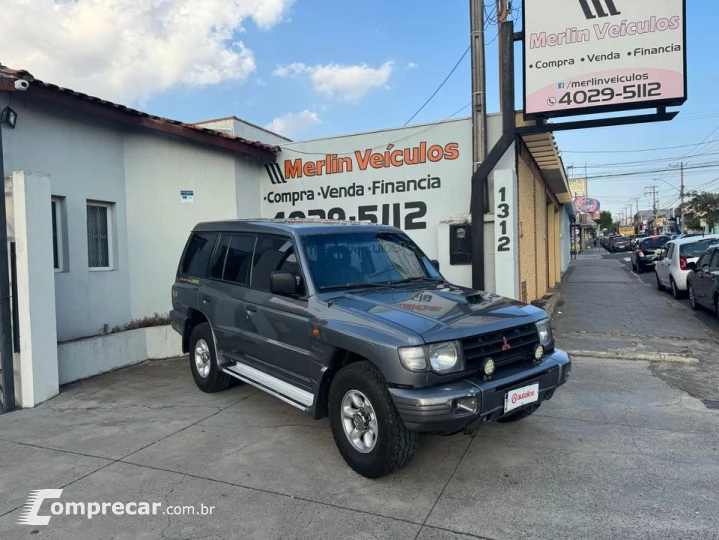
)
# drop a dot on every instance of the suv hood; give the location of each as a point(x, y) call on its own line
point(436, 313)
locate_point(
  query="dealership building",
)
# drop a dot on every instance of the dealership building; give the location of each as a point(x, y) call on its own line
point(101, 199)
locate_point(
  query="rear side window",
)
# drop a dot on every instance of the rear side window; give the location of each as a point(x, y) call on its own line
point(217, 263)
point(715, 260)
point(273, 254)
point(197, 254)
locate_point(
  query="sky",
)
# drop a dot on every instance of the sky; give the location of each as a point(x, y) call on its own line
point(316, 68)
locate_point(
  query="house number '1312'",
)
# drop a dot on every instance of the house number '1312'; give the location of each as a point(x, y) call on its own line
point(503, 241)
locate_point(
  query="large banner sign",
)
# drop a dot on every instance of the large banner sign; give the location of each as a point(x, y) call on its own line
point(588, 56)
point(586, 205)
point(410, 178)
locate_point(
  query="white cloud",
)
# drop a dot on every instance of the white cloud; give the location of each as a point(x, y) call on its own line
point(128, 50)
point(291, 124)
point(346, 83)
point(411, 65)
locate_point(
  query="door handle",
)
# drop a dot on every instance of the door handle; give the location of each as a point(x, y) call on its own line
point(251, 308)
point(206, 300)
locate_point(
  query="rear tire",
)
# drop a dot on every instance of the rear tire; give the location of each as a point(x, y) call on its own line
point(660, 287)
point(391, 444)
point(716, 304)
point(519, 415)
point(203, 361)
point(676, 293)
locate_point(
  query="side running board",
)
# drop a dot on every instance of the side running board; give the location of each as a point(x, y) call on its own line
point(272, 385)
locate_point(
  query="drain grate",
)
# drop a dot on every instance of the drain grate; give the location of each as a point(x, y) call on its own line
point(711, 403)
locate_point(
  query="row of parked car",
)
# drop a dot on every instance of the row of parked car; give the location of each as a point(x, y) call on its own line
point(683, 265)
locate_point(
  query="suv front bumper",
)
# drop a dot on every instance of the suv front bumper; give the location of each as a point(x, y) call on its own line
point(434, 409)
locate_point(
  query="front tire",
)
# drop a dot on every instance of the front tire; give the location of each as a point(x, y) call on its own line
point(519, 415)
point(203, 361)
point(676, 293)
point(367, 429)
point(692, 300)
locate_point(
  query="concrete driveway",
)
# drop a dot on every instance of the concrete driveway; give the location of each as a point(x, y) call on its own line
point(616, 454)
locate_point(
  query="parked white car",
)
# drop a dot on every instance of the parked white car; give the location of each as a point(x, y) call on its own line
point(671, 269)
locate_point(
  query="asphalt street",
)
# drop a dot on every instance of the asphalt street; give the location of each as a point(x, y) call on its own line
point(628, 448)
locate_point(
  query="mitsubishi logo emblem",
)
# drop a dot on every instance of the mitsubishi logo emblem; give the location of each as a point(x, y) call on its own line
point(506, 345)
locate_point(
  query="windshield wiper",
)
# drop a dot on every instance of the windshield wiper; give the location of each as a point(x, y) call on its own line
point(417, 278)
point(353, 285)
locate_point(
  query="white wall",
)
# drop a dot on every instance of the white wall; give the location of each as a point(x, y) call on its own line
point(157, 168)
point(565, 240)
point(85, 161)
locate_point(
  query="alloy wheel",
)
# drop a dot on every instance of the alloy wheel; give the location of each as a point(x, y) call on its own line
point(203, 358)
point(359, 421)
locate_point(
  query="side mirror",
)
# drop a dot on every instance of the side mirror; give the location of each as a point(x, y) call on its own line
point(284, 284)
point(692, 266)
point(435, 263)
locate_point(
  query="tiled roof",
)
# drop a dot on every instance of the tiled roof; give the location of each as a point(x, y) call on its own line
point(44, 90)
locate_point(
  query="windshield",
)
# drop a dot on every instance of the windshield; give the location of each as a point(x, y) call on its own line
point(352, 259)
point(695, 249)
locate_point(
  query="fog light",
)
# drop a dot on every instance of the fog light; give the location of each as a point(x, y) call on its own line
point(488, 367)
point(466, 405)
point(538, 353)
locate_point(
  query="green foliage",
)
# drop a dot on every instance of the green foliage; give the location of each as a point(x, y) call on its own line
point(605, 220)
point(701, 205)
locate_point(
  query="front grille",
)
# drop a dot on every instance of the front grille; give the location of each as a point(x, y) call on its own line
point(523, 340)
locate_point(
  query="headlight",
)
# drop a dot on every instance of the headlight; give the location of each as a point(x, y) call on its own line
point(444, 357)
point(441, 358)
point(546, 339)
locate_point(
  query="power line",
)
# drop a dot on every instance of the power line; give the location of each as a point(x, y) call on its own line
point(633, 151)
point(439, 87)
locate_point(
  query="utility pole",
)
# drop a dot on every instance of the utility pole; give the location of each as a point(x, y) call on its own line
point(681, 195)
point(653, 193)
point(501, 18)
point(479, 86)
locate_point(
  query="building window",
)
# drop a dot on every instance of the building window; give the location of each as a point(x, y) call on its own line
point(99, 236)
point(57, 245)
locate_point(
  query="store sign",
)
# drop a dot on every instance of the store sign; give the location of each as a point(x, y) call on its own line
point(586, 205)
point(578, 187)
point(410, 178)
point(588, 56)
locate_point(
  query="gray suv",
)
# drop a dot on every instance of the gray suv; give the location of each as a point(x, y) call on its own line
point(353, 321)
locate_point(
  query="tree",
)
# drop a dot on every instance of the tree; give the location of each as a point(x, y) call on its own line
point(701, 206)
point(605, 220)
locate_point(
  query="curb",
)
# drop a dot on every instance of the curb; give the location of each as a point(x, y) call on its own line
point(664, 358)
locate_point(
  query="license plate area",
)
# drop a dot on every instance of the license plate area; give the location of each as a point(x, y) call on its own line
point(519, 397)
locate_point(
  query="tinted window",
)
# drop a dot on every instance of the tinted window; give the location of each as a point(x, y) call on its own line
point(715, 261)
point(697, 248)
point(239, 259)
point(272, 254)
point(197, 254)
point(217, 262)
point(653, 243)
point(704, 260)
point(337, 260)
